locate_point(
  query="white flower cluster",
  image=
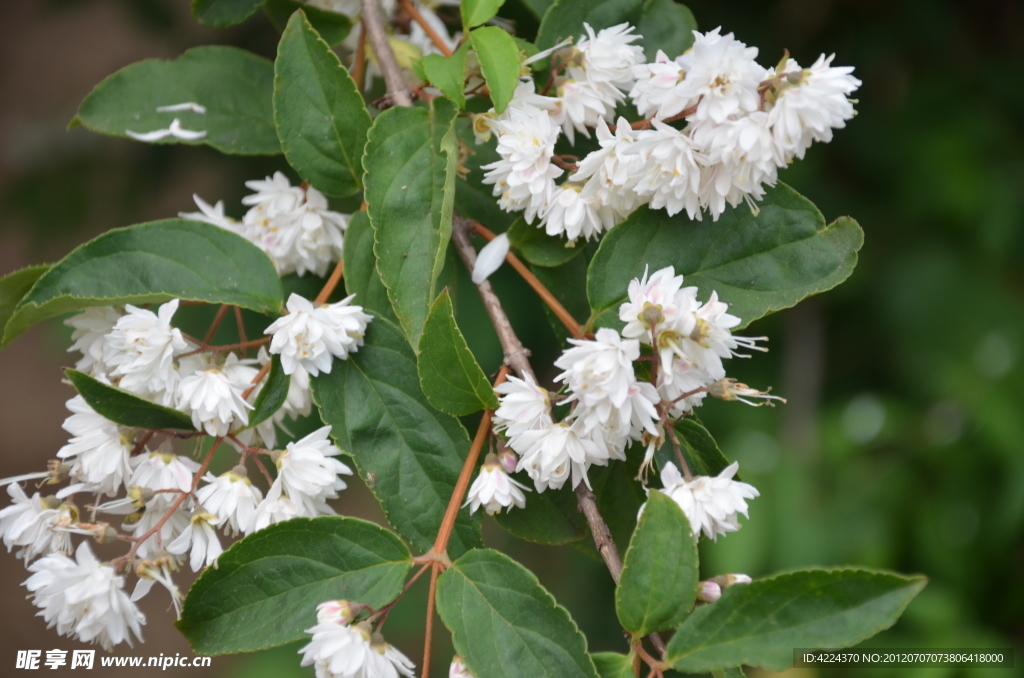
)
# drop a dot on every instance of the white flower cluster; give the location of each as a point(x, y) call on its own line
point(343, 649)
point(292, 224)
point(742, 124)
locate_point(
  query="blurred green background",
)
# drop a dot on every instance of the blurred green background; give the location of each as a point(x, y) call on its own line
point(902, 445)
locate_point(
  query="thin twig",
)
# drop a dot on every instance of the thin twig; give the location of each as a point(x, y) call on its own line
point(385, 55)
point(241, 325)
point(599, 530)
point(229, 347)
point(429, 635)
point(331, 283)
point(215, 325)
point(386, 610)
point(427, 28)
point(445, 532)
point(256, 380)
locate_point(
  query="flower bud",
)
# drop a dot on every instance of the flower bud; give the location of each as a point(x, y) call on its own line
point(708, 592)
point(459, 669)
point(339, 611)
point(508, 459)
point(727, 580)
point(57, 472)
point(730, 389)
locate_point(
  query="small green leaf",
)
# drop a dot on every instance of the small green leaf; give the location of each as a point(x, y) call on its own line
point(539, 248)
point(127, 409)
point(613, 665)
point(499, 62)
point(13, 287)
point(223, 13)
point(450, 376)
point(410, 164)
point(758, 264)
point(321, 118)
point(476, 12)
point(154, 262)
point(234, 86)
point(332, 26)
point(409, 453)
point(759, 624)
point(551, 517)
point(448, 74)
point(273, 394)
point(659, 573)
point(505, 625)
point(664, 24)
point(361, 277)
point(264, 590)
point(700, 450)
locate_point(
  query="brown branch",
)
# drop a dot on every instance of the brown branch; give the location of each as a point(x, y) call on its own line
point(429, 635)
point(427, 28)
point(241, 325)
point(385, 55)
point(215, 325)
point(599, 529)
point(448, 523)
point(256, 380)
point(229, 347)
point(331, 283)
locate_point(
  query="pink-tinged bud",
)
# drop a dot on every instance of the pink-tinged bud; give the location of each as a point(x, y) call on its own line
point(509, 460)
point(708, 592)
point(335, 611)
point(459, 669)
point(727, 580)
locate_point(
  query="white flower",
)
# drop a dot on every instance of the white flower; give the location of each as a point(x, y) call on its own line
point(201, 539)
point(84, 599)
point(156, 509)
point(721, 78)
point(610, 172)
point(655, 88)
point(490, 258)
point(28, 523)
point(338, 650)
point(708, 592)
point(608, 56)
point(175, 130)
point(552, 454)
point(158, 572)
point(746, 150)
point(309, 474)
point(275, 508)
point(671, 175)
point(211, 214)
point(682, 382)
point(713, 330)
point(100, 450)
point(214, 400)
point(571, 213)
point(141, 350)
point(163, 471)
point(524, 177)
point(458, 669)
point(310, 335)
point(230, 497)
point(494, 489)
point(599, 372)
point(812, 102)
point(91, 329)
point(524, 406)
point(710, 504)
point(585, 103)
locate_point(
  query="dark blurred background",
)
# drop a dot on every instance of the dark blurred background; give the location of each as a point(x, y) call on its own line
point(902, 445)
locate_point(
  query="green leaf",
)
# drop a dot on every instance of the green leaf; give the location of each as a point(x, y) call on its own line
point(613, 665)
point(223, 13)
point(409, 453)
point(731, 672)
point(235, 86)
point(539, 248)
point(499, 63)
point(538, 7)
point(273, 394)
point(700, 450)
point(664, 24)
point(550, 517)
point(505, 624)
point(450, 376)
point(332, 26)
point(757, 264)
point(153, 263)
point(476, 12)
point(759, 624)
point(568, 283)
point(659, 574)
point(126, 408)
point(264, 590)
point(410, 166)
point(321, 118)
point(13, 287)
point(361, 277)
point(448, 74)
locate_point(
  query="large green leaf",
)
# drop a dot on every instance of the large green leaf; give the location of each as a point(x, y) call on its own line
point(498, 55)
point(450, 376)
point(321, 117)
point(13, 287)
point(410, 163)
point(264, 590)
point(613, 665)
point(153, 263)
point(476, 12)
point(332, 26)
point(539, 248)
point(126, 408)
point(759, 624)
point(550, 517)
point(273, 394)
point(505, 625)
point(222, 13)
point(699, 449)
point(757, 264)
point(409, 453)
point(361, 277)
point(659, 573)
point(664, 24)
point(236, 88)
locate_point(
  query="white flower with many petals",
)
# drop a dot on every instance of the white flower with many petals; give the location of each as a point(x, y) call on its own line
point(554, 454)
point(711, 504)
point(523, 177)
point(199, 538)
point(524, 406)
point(609, 55)
point(100, 450)
point(599, 372)
point(91, 328)
point(309, 473)
point(341, 650)
point(745, 149)
point(658, 301)
point(610, 173)
point(29, 523)
point(713, 330)
point(230, 497)
point(84, 599)
point(671, 175)
point(163, 471)
point(585, 103)
point(214, 400)
point(654, 90)
point(494, 489)
point(141, 350)
point(275, 508)
point(311, 336)
point(571, 213)
point(722, 78)
point(211, 214)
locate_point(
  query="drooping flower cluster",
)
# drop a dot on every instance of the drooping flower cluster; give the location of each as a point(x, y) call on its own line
point(742, 123)
point(343, 649)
